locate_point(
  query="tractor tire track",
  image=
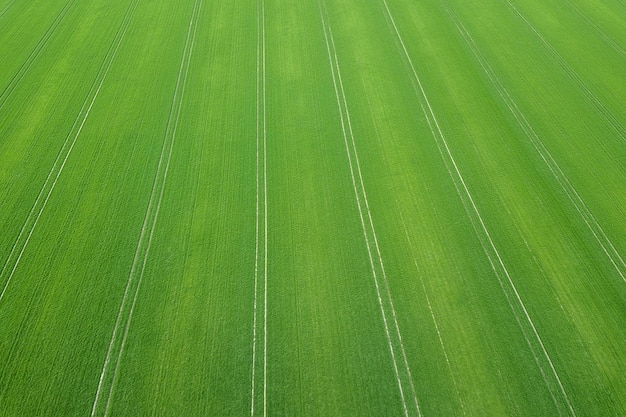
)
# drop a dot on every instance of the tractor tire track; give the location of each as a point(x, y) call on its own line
point(394, 339)
point(607, 38)
point(615, 124)
point(108, 376)
point(509, 289)
point(260, 268)
point(28, 228)
point(574, 197)
point(35, 53)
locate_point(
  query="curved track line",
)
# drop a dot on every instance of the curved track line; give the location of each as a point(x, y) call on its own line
point(355, 167)
point(149, 224)
point(481, 230)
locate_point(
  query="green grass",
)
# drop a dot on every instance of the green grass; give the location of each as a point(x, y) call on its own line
point(495, 239)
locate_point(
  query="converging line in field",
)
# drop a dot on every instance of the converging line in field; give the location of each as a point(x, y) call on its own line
point(32, 57)
point(585, 213)
point(260, 270)
point(135, 277)
point(28, 228)
point(600, 107)
point(434, 319)
point(369, 232)
point(598, 29)
point(498, 266)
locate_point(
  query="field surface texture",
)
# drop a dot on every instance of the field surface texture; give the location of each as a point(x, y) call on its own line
point(312, 208)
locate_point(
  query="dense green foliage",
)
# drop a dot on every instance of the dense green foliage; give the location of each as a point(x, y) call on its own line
point(368, 208)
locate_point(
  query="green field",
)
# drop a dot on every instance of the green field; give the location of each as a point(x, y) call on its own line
point(312, 208)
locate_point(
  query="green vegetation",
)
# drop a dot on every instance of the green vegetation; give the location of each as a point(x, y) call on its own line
point(312, 208)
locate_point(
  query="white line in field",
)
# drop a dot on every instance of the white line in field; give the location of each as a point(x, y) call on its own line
point(441, 140)
point(545, 154)
point(362, 220)
point(256, 225)
point(162, 190)
point(432, 315)
point(608, 115)
point(585, 213)
point(63, 155)
point(119, 315)
point(598, 29)
point(336, 75)
point(265, 215)
point(371, 222)
point(260, 137)
point(151, 217)
point(32, 57)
